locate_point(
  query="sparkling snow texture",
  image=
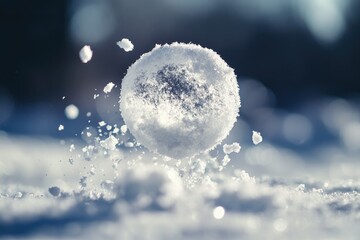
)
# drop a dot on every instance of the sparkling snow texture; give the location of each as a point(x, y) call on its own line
point(180, 99)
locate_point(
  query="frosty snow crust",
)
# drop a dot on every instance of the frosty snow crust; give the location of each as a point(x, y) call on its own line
point(180, 99)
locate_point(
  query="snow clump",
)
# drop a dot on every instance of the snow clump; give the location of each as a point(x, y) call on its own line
point(235, 147)
point(86, 54)
point(125, 44)
point(180, 99)
point(256, 137)
point(108, 87)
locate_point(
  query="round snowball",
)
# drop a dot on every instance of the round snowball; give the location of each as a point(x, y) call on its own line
point(180, 99)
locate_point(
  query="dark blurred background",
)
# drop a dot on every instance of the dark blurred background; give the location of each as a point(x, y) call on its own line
point(299, 49)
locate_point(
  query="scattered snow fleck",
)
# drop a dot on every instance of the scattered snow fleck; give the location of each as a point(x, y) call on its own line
point(71, 111)
point(18, 195)
point(129, 144)
point(102, 123)
point(219, 212)
point(256, 138)
point(280, 225)
point(235, 147)
point(123, 129)
point(88, 114)
point(125, 44)
point(226, 160)
point(108, 127)
point(63, 97)
point(55, 191)
point(108, 87)
point(109, 143)
point(116, 130)
point(85, 54)
point(72, 147)
point(61, 127)
point(177, 91)
point(88, 134)
point(96, 96)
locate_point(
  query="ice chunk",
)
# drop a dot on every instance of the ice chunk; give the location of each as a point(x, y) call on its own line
point(125, 44)
point(256, 137)
point(235, 147)
point(61, 127)
point(108, 87)
point(109, 143)
point(175, 92)
point(71, 111)
point(85, 54)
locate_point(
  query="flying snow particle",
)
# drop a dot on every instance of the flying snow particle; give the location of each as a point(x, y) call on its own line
point(61, 127)
point(180, 99)
point(109, 143)
point(219, 212)
point(71, 111)
point(88, 114)
point(125, 44)
point(85, 54)
point(71, 148)
point(108, 87)
point(235, 147)
point(256, 137)
point(102, 123)
point(123, 129)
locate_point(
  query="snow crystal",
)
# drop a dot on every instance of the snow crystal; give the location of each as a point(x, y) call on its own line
point(85, 54)
point(102, 123)
point(125, 44)
point(219, 212)
point(109, 143)
point(235, 147)
point(256, 137)
point(108, 87)
point(123, 129)
point(175, 92)
point(61, 127)
point(71, 111)
point(108, 127)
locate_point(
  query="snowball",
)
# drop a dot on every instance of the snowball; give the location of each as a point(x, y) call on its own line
point(235, 147)
point(256, 137)
point(85, 54)
point(108, 87)
point(125, 44)
point(61, 127)
point(109, 143)
point(180, 99)
point(71, 111)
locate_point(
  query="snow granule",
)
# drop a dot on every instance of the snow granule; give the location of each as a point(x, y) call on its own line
point(61, 127)
point(175, 92)
point(96, 96)
point(123, 129)
point(72, 147)
point(108, 87)
point(125, 44)
point(85, 54)
point(109, 143)
point(219, 212)
point(235, 147)
point(102, 123)
point(71, 111)
point(256, 138)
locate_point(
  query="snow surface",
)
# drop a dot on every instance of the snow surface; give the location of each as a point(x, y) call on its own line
point(129, 195)
point(85, 54)
point(71, 111)
point(125, 44)
point(180, 99)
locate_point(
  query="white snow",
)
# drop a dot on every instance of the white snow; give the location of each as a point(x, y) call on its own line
point(256, 137)
point(109, 143)
point(71, 111)
point(61, 127)
point(85, 54)
point(102, 123)
point(234, 147)
point(108, 87)
point(125, 44)
point(88, 114)
point(177, 91)
point(123, 129)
